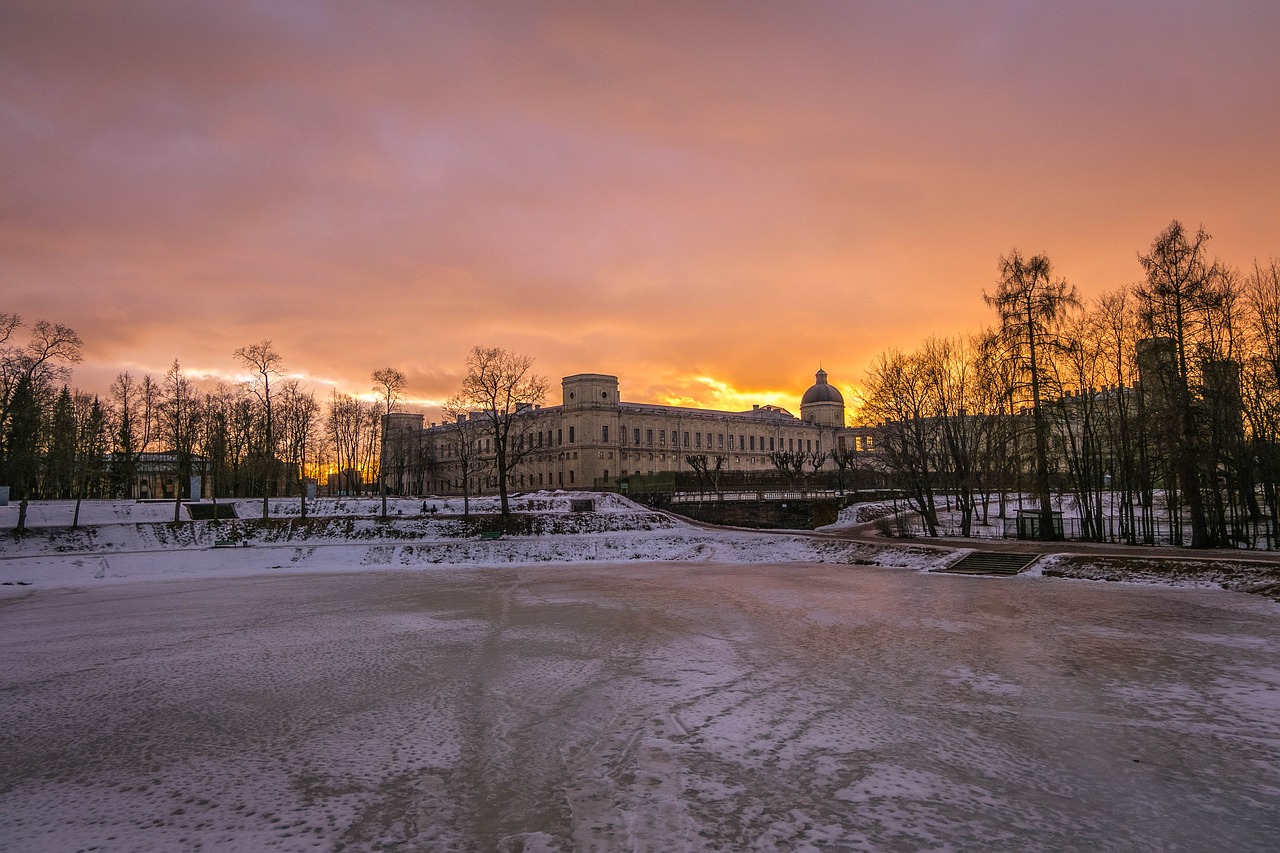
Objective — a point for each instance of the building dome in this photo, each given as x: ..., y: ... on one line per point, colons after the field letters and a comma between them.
x: 821, y: 392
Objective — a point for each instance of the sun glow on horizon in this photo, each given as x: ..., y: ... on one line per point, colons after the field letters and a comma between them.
x: 745, y: 195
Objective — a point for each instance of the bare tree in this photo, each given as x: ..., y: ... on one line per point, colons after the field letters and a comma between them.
x: 150, y: 394
x: 1115, y: 325
x: 707, y: 469
x: 352, y: 427
x: 389, y: 384
x: 124, y: 471
x: 464, y: 444
x: 22, y: 444
x: 1031, y: 304
x: 91, y: 438
x: 179, y: 425
x: 60, y: 447
x: 845, y: 455
x: 815, y: 459
x: 995, y: 389
x: 790, y: 463
x: 298, y: 419
x: 698, y: 463
x: 216, y: 440
x: 38, y: 365
x: 343, y: 425
x: 1262, y: 385
x: 267, y: 364
x: 44, y: 359
x: 950, y: 371
x: 502, y: 386
x: 899, y: 402
x: 1078, y: 418
x: 1176, y: 303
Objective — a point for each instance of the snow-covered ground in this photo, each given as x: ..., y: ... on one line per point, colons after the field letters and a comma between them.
x: 649, y: 686
x: 123, y: 541
x: 61, y: 513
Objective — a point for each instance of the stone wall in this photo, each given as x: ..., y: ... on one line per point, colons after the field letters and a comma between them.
x: 784, y: 515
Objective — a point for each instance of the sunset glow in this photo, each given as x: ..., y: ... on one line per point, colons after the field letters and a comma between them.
x: 708, y: 200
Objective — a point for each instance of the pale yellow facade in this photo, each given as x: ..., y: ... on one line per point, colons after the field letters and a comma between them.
x: 593, y: 439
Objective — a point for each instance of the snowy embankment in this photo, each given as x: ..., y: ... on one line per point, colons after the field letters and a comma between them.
x: 124, y: 541
x: 1259, y: 577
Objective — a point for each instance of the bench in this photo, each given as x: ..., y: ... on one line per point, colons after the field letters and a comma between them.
x: 490, y: 535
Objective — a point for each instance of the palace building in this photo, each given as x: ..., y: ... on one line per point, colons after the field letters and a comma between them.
x: 593, y: 439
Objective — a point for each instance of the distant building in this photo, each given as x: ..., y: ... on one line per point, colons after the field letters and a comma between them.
x: 155, y: 476
x: 594, y: 439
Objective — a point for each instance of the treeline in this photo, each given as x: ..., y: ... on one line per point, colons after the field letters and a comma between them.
x: 1151, y: 413
x: 260, y: 438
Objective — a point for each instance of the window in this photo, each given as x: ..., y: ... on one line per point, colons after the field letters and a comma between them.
x: 753, y: 442
x: 770, y: 443
x: 604, y: 435
x: 686, y: 439
x: 720, y: 440
x: 571, y: 435
x: 791, y: 444
x: 662, y: 437
x: 571, y: 476
x: 648, y: 437
x: 809, y: 445
x: 559, y: 437
x: 708, y: 441
x: 698, y: 443
x: 636, y: 437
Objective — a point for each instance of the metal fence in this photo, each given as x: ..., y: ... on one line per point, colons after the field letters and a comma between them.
x: 1259, y: 535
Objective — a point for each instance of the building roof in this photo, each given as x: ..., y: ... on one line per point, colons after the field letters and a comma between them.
x: 821, y: 392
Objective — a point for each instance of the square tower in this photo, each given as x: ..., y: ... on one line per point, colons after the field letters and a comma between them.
x: 590, y: 391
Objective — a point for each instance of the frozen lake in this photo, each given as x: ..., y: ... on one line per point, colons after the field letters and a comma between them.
x: 639, y: 707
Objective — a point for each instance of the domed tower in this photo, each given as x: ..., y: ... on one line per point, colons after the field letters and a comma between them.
x: 822, y: 404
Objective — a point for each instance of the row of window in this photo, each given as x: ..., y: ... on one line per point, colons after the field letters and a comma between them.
x: 744, y: 442
x: 749, y: 443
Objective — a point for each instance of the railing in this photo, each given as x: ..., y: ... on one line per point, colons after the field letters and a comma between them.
x: 1259, y: 535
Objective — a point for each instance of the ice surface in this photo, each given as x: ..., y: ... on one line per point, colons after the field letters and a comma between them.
x: 393, y: 703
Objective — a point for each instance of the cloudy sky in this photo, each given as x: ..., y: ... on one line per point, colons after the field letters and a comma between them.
x: 710, y: 200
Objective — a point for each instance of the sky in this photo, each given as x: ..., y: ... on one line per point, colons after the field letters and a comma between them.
x: 709, y: 200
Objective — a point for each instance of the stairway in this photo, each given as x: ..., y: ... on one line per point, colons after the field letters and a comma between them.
x: 990, y: 563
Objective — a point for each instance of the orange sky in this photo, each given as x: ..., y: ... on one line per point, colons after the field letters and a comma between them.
x: 709, y: 200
